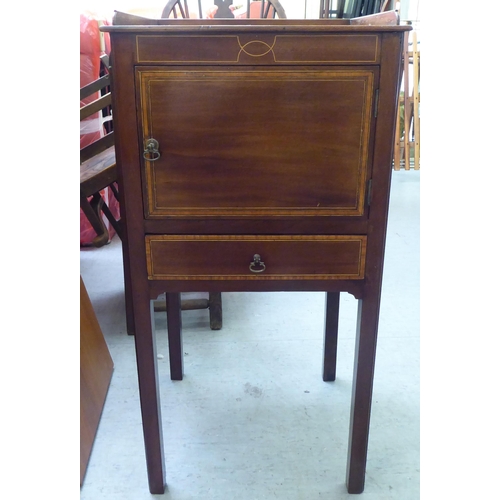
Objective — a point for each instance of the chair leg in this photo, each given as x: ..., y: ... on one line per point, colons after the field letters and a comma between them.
x: 115, y: 191
x: 129, y: 303
x: 331, y: 336
x: 215, y: 310
x: 92, y: 211
x: 213, y: 304
x: 116, y: 224
x: 174, y: 332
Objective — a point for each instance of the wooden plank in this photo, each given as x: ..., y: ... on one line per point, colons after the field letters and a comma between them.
x: 95, y: 106
x: 96, y: 368
x: 94, y: 86
x: 97, y: 147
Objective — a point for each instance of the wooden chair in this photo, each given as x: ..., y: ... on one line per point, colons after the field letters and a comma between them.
x: 268, y: 9
x: 180, y: 9
x: 98, y: 168
x: 97, y: 171
x: 348, y: 9
x: 97, y: 160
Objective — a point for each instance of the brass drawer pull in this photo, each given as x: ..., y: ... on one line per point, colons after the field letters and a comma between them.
x: 151, y: 152
x: 257, y: 266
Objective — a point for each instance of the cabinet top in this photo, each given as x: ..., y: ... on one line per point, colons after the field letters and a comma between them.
x: 128, y: 23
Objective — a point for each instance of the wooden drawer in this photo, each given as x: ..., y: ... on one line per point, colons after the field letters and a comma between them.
x: 259, y: 49
x: 232, y: 257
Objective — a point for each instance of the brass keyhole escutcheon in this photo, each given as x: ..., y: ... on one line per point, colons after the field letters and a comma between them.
x: 151, y: 152
x: 257, y: 266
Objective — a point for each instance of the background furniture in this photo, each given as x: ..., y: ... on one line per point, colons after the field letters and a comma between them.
x: 98, y: 172
x: 263, y: 9
x: 94, y: 230
x: 99, y: 176
x: 224, y: 9
x: 407, y: 137
x: 180, y: 9
x: 346, y: 9
x: 289, y: 191
x: 97, y: 158
x: 96, y: 368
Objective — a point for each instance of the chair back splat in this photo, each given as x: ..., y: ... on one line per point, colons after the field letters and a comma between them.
x: 224, y: 9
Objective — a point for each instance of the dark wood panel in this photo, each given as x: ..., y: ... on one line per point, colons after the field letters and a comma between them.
x: 257, y: 143
x: 158, y: 287
x: 363, y: 49
x: 269, y: 48
x: 96, y: 368
x: 270, y: 225
x: 233, y: 257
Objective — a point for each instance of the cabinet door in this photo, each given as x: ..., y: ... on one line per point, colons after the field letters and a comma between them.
x: 249, y: 142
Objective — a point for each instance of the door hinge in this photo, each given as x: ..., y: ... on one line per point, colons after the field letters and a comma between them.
x: 375, y: 104
x: 369, y: 193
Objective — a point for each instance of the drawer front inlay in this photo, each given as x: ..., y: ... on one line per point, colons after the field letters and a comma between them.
x: 258, y: 49
x: 175, y: 257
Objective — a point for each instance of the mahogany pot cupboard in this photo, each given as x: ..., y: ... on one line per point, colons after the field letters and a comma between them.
x: 255, y: 155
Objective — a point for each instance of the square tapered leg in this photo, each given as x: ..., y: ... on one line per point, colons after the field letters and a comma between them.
x: 174, y: 331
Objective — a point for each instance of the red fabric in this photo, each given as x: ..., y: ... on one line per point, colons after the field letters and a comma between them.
x: 90, y: 53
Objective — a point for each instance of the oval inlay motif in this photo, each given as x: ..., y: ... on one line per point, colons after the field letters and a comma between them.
x: 256, y: 48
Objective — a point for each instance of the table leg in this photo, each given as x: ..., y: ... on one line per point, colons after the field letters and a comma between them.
x: 145, y: 346
x: 174, y: 331
x: 364, y: 365
x: 215, y: 310
x: 129, y: 303
x: 331, y: 336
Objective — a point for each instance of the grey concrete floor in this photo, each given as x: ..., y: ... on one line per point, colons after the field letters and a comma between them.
x: 252, y: 418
